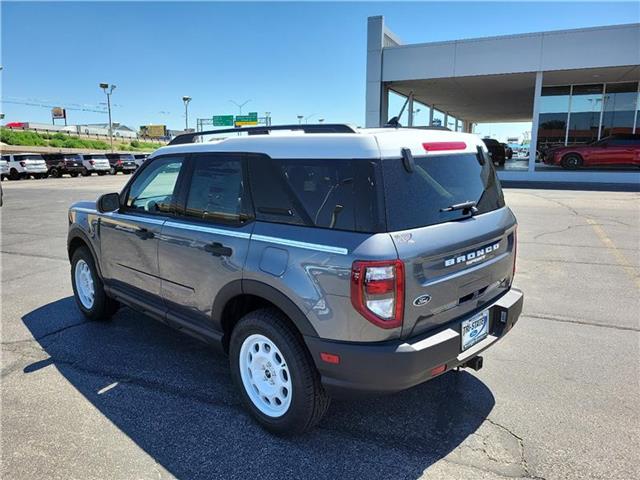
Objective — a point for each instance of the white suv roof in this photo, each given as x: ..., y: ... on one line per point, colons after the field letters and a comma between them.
x: 362, y: 143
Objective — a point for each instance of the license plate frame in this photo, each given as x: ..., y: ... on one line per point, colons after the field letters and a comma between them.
x: 473, y: 330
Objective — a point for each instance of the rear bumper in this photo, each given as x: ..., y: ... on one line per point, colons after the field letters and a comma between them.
x: 387, y: 367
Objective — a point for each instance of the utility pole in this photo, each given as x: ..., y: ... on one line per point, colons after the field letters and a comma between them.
x: 186, y: 99
x: 267, y: 118
x: 300, y: 117
x: 108, y: 90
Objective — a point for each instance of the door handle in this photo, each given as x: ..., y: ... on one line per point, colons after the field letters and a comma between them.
x: 144, y: 234
x: 218, y: 250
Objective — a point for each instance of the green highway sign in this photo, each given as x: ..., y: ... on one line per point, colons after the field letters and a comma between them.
x: 250, y: 119
x: 222, y: 120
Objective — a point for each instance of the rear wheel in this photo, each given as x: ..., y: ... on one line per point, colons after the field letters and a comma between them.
x: 74, y: 174
x: 101, y: 173
x: 571, y: 161
x: 86, y: 173
x: 14, y: 175
x: 276, y: 377
x: 88, y: 288
x: 55, y: 173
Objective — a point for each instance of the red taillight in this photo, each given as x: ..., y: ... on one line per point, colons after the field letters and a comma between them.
x: 438, y: 146
x: 119, y: 162
x: 438, y: 370
x: 377, y: 291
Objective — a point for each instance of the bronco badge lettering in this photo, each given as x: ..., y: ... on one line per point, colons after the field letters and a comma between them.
x: 470, y: 258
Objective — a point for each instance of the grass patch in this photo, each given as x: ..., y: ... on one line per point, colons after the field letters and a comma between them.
x: 61, y: 140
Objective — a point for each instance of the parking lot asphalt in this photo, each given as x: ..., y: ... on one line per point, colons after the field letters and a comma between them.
x: 558, y: 398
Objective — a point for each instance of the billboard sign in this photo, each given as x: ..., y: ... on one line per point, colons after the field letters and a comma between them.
x: 58, y: 112
x: 154, y: 131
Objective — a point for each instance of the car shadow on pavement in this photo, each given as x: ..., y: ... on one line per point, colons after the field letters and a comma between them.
x: 173, y: 396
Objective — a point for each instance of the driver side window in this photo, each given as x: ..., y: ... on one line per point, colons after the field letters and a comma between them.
x: 153, y: 190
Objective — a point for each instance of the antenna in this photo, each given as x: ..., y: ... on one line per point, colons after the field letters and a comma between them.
x: 394, y: 122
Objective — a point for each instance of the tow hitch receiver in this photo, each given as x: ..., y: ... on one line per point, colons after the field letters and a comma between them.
x: 475, y: 363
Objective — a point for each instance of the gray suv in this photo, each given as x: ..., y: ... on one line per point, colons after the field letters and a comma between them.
x: 325, y: 260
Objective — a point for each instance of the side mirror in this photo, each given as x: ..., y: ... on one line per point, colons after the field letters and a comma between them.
x: 109, y: 202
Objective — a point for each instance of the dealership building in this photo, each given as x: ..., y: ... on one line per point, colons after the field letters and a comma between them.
x: 574, y: 86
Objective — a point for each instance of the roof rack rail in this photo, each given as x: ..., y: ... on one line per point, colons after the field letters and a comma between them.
x: 264, y: 130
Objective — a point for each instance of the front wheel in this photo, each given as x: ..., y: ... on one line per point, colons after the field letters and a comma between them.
x: 86, y: 173
x: 571, y: 162
x: 74, y: 174
x: 88, y: 289
x: 276, y: 377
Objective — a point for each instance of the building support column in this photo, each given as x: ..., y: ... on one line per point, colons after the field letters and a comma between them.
x: 431, y: 107
x: 446, y: 120
x: 410, y: 107
x: 537, y: 93
x: 375, y: 89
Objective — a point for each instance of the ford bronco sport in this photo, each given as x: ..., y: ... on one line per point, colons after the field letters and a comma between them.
x: 324, y: 260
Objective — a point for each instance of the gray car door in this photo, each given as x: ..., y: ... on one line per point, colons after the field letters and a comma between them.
x: 204, y: 247
x: 129, y: 236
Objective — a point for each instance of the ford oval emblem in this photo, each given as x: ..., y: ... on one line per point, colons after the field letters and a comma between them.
x: 422, y: 300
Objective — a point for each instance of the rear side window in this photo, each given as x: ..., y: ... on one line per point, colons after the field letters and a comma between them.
x: 335, y: 194
x: 217, y: 190
x: 439, y: 181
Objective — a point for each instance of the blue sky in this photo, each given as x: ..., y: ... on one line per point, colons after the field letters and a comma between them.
x: 287, y: 58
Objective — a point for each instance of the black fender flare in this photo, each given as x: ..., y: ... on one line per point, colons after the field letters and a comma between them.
x: 269, y: 293
x: 77, y: 232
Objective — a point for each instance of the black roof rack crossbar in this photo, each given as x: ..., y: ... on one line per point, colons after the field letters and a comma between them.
x: 264, y: 130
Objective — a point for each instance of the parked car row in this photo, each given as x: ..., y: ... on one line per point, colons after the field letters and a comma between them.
x: 616, y: 150
x: 24, y: 165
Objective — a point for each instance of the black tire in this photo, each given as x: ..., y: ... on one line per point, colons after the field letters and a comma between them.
x: 86, y: 173
x: 14, y: 175
x: 100, y: 174
x: 572, y: 161
x: 74, y: 174
x: 309, y: 401
x: 54, y: 172
x: 103, y: 306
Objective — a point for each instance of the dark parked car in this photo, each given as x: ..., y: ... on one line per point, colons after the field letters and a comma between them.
x: 496, y: 150
x: 59, y: 164
x: 615, y: 150
x: 508, y: 151
x: 121, y: 162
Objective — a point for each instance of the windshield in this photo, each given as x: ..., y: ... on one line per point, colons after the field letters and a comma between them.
x: 438, y: 182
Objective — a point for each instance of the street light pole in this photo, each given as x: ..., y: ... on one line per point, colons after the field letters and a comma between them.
x: 186, y: 99
x: 300, y: 117
x: 108, y: 90
x: 240, y: 105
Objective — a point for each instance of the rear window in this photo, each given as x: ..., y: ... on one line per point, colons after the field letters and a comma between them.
x: 335, y: 194
x: 415, y: 199
x: 27, y: 157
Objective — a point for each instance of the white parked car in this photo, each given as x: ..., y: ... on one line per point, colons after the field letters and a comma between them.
x: 24, y: 165
x: 140, y: 158
x: 95, y: 163
x: 4, y: 167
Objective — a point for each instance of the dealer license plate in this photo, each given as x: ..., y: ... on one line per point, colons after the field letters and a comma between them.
x: 474, y: 329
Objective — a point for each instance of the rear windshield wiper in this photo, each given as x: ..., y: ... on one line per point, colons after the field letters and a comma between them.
x: 466, y: 207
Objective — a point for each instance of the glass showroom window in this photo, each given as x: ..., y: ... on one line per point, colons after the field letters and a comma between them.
x: 420, y: 114
x: 451, y: 123
x: 619, y: 108
x: 586, y: 107
x: 554, y: 111
x: 438, y: 118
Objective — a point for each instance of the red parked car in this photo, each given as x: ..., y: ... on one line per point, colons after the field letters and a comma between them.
x: 616, y: 150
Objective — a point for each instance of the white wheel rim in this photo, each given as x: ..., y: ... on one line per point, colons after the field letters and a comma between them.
x: 84, y: 284
x: 265, y: 375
